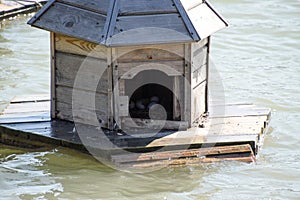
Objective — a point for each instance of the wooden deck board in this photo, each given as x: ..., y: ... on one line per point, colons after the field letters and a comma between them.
x: 29, y: 117
x: 13, y: 9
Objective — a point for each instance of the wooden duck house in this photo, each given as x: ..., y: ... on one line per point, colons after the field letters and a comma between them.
x: 133, y: 66
x: 142, y: 61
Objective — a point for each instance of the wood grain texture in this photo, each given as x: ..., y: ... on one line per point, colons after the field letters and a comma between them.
x: 100, y: 6
x: 82, y: 98
x: 183, y: 154
x: 81, y: 47
x: 130, y: 70
x: 149, y: 29
x: 89, y: 73
x: 199, y: 57
x: 81, y: 115
x: 31, y: 98
x: 149, y: 124
x: 143, y: 7
x: 73, y: 21
x: 203, y: 15
x: 150, y: 53
x: 187, y: 84
x: 52, y: 75
x: 198, y: 76
x: 198, y: 101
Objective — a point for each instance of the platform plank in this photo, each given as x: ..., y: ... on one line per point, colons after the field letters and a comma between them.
x: 27, y: 107
x: 176, y: 154
x: 31, y: 98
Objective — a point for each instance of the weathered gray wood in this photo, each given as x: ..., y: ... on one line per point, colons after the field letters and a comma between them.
x: 200, y: 137
x: 52, y: 75
x: 142, y: 7
x: 187, y: 85
x: 31, y: 98
x: 81, y: 115
x: 207, y: 75
x: 129, y: 70
x: 27, y: 107
x: 81, y: 47
x: 151, y: 53
x: 89, y: 73
x: 124, y: 106
x: 24, y: 117
x: 198, y: 101
x: 190, y: 4
x: 72, y: 21
x: 100, y: 6
x: 237, y: 111
x: 82, y: 98
x: 110, y: 89
x: 199, y: 76
x: 150, y: 124
x: 177, y: 98
x: 199, y: 57
x: 116, y: 94
x: 149, y: 29
x: 203, y: 15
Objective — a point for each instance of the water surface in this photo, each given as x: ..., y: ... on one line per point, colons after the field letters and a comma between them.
x: 258, y: 61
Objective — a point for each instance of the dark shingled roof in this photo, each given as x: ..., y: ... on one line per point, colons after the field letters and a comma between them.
x: 130, y: 22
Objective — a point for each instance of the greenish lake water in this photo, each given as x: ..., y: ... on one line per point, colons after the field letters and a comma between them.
x: 258, y: 59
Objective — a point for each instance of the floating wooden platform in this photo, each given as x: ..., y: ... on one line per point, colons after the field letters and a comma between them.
x: 17, y: 7
x: 230, y: 132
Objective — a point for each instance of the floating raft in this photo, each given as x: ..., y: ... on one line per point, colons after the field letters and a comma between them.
x: 230, y: 132
x: 17, y: 7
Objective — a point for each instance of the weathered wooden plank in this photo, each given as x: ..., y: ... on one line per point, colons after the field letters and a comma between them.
x: 148, y: 54
x: 22, y: 114
x: 199, y: 136
x: 184, y: 153
x: 95, y: 6
x: 199, y: 76
x: 52, y: 75
x: 199, y: 57
x: 238, y: 111
x: 89, y: 73
x: 149, y: 29
x: 189, y: 4
x: 187, y: 84
x: 25, y: 117
x: 28, y: 107
x: 116, y: 94
x: 84, y: 98
x: 177, y: 98
x: 190, y: 162
x: 142, y: 7
x: 157, y: 52
x: 124, y: 106
x: 198, y: 101
x: 31, y: 98
x: 129, y: 70
x: 203, y: 16
x: 81, y: 115
x: 110, y: 89
x: 150, y: 124
x: 236, y: 120
x: 81, y: 47
x: 73, y: 21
